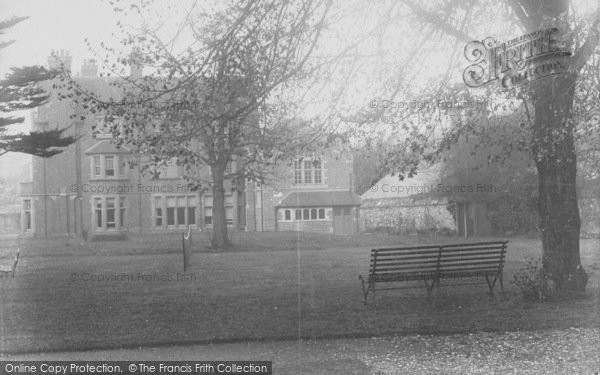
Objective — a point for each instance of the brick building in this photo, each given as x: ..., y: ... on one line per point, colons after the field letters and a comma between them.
x: 95, y: 189
x: 312, y: 193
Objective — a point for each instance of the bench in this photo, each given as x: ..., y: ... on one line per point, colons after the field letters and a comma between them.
x: 432, y: 263
x: 6, y: 269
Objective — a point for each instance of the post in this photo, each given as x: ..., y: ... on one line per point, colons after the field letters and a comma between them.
x: 187, y: 247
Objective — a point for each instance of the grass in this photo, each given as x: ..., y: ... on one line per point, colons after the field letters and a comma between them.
x: 274, y: 286
x: 167, y: 243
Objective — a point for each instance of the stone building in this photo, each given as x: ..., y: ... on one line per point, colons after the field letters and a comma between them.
x: 422, y: 204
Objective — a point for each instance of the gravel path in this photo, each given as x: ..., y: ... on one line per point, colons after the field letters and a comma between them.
x: 567, y: 351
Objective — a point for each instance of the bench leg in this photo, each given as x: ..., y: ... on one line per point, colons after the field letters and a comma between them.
x: 501, y: 286
x: 429, y: 287
x: 367, y: 289
x: 491, y: 284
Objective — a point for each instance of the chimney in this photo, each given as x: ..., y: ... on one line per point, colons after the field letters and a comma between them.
x: 89, y: 68
x: 60, y: 60
x: 135, y: 65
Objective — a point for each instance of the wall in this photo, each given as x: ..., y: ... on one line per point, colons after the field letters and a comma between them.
x: 404, y: 216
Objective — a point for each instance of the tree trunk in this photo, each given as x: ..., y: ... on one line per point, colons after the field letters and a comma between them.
x: 219, y: 237
x: 554, y: 150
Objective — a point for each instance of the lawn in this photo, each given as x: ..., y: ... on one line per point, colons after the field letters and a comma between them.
x: 271, y: 287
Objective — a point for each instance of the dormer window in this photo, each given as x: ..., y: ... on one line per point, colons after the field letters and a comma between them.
x: 107, y: 166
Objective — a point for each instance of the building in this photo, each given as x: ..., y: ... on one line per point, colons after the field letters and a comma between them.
x: 96, y: 189
x: 311, y: 193
x: 422, y: 203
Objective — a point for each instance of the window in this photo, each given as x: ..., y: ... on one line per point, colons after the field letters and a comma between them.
x: 97, y: 167
x: 98, y: 209
x: 308, y: 171
x: 107, y: 215
x: 191, y: 210
x: 297, y: 172
x: 27, y: 214
x: 180, y: 211
x: 111, y: 221
x: 342, y: 211
x: 318, y: 172
x: 158, y: 213
x: 229, y: 215
x: 170, y: 211
x: 208, y: 203
x: 229, y: 209
x: 304, y: 214
x: 107, y: 166
x: 208, y: 209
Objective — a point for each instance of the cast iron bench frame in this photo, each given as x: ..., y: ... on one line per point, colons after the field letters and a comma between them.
x: 9, y: 269
x: 432, y: 263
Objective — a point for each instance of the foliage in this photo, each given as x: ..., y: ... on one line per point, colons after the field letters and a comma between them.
x: 19, y: 90
x: 513, y: 215
x: 534, y: 283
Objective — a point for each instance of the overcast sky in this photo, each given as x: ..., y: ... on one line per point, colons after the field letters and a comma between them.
x: 56, y: 24
x: 64, y: 24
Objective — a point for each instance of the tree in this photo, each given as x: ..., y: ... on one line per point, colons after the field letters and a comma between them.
x: 550, y: 106
x: 221, y: 99
x: 20, y: 91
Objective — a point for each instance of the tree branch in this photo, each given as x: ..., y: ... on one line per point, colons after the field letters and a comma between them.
x: 582, y: 55
x: 437, y: 22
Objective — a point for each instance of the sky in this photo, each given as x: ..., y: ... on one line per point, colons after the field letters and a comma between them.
x: 52, y: 25
x: 56, y: 24
x: 64, y: 24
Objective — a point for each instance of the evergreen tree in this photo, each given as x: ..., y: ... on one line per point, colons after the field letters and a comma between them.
x: 19, y: 90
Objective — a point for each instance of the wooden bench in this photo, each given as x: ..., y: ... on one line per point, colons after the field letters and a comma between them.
x: 432, y: 263
x: 6, y: 269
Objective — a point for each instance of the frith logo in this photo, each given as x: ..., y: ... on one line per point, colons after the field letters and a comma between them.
x: 516, y: 62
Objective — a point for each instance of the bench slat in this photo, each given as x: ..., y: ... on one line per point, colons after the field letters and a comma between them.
x: 448, y: 246
x: 444, y: 258
x: 435, y: 251
x: 469, y: 266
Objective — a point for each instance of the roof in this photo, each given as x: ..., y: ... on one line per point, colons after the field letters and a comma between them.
x: 320, y: 199
x: 106, y: 147
x: 390, y: 186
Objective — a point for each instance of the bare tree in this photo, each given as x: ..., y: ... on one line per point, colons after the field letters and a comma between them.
x: 221, y: 99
